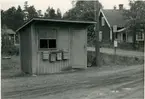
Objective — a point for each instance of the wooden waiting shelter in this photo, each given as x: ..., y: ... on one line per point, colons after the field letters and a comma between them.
x: 49, y: 46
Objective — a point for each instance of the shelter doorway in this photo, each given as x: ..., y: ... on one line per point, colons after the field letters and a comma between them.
x: 79, y: 49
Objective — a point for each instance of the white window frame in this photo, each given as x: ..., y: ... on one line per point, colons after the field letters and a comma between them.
x: 110, y: 34
x: 140, y: 39
x: 100, y: 35
x: 10, y: 38
x: 103, y: 21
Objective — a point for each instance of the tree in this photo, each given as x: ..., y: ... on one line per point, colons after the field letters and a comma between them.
x: 12, y: 18
x: 82, y: 10
x: 50, y: 13
x: 9, y: 17
x: 25, y: 10
x: 135, y: 17
x: 2, y: 17
x: 19, y: 16
x: 40, y: 13
x: 25, y: 5
x: 58, y: 15
x: 47, y: 13
x: 32, y: 12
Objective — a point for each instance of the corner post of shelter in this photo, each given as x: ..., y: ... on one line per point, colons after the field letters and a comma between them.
x: 33, y: 50
x: 70, y: 43
x: 19, y: 37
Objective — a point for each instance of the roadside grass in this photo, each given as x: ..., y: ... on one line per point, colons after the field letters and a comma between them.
x: 10, y: 68
x: 111, y: 60
x: 11, y: 63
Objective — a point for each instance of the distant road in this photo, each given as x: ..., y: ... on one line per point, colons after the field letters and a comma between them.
x: 118, y: 51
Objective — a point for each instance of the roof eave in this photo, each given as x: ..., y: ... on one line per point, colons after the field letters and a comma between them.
x: 121, y: 30
x: 53, y: 20
x: 24, y: 25
x: 101, y: 11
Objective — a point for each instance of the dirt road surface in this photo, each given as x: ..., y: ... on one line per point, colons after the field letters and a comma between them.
x: 120, y: 82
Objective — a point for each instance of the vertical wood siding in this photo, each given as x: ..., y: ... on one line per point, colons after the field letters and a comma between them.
x: 63, y: 42
x: 31, y: 55
x: 25, y: 48
x: 34, y: 49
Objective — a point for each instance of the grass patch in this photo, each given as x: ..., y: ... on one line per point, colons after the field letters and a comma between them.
x: 12, y: 63
x: 108, y: 59
x: 10, y: 67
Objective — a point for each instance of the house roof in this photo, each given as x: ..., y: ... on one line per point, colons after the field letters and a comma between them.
x: 8, y: 31
x: 114, y: 17
x: 54, y: 20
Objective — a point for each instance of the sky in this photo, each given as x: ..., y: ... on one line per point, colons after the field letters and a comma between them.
x: 64, y: 5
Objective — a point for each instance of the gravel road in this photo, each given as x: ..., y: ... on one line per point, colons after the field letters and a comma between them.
x: 120, y: 82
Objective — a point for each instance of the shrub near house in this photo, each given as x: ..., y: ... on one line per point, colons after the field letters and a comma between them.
x: 8, y: 42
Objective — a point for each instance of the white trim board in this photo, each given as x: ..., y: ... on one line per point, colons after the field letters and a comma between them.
x: 121, y: 30
x: 101, y: 11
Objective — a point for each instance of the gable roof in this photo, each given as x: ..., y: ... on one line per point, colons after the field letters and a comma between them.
x: 114, y: 17
x: 56, y: 21
x: 8, y: 31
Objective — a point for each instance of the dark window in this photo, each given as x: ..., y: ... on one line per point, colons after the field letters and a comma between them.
x: 124, y: 37
x: 47, y: 43
x: 16, y: 39
x: 52, y: 43
x: 43, y: 43
x: 116, y: 36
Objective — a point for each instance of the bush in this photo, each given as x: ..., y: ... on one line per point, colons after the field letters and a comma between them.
x: 10, y: 50
x: 8, y: 47
x: 13, y: 50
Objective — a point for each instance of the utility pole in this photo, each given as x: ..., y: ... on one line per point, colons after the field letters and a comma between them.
x: 115, y: 41
x: 97, y: 45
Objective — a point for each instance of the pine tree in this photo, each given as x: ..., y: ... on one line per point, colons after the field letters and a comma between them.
x: 25, y: 5
x: 19, y: 16
x: 52, y: 13
x: 58, y: 15
x: 25, y: 11
x: 9, y: 18
x: 40, y: 13
x: 32, y: 13
x: 46, y: 15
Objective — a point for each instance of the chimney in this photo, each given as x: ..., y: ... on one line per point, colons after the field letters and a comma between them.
x: 120, y: 6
